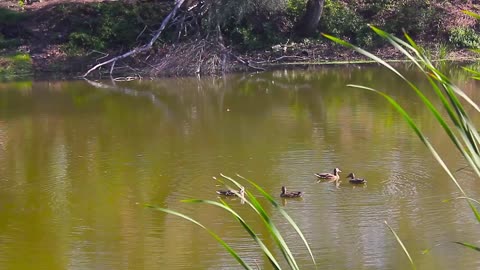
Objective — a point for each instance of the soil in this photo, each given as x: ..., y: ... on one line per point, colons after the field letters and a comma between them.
x: 47, y: 56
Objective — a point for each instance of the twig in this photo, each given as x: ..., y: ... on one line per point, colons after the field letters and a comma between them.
x: 144, y: 47
x: 141, y: 33
x: 111, y: 68
x: 95, y: 51
x: 283, y: 57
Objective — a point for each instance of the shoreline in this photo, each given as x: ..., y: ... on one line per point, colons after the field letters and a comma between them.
x: 52, y: 64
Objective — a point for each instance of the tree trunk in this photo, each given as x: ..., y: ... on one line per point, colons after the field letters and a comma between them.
x: 309, y: 22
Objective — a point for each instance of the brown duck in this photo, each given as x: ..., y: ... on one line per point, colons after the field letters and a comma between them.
x: 291, y: 194
x: 230, y: 192
x: 335, y: 176
x: 355, y: 180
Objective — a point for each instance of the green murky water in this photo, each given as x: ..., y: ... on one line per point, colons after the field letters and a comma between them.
x: 78, y: 160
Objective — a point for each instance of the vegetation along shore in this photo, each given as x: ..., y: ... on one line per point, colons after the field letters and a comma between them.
x: 188, y: 37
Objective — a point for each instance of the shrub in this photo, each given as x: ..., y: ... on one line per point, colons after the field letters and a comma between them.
x: 339, y: 20
x: 295, y: 8
x: 343, y: 21
x: 462, y: 37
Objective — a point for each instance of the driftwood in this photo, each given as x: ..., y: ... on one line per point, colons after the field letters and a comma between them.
x: 141, y: 48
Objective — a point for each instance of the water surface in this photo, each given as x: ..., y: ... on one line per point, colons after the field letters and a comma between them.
x: 78, y: 161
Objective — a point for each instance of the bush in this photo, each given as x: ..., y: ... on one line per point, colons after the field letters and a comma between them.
x: 16, y: 65
x: 295, y: 8
x: 414, y: 17
x: 462, y: 37
x: 338, y: 20
x: 98, y: 27
x: 10, y: 23
x: 342, y: 21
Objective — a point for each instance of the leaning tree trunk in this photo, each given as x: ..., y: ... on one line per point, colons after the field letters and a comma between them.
x: 309, y: 22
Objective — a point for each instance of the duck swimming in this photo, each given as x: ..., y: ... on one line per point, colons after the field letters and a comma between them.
x: 335, y: 176
x: 230, y: 192
x: 291, y: 194
x: 355, y: 180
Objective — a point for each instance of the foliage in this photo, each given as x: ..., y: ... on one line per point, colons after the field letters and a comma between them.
x: 411, y: 16
x: 341, y: 20
x: 248, y: 38
x: 255, y: 205
x: 10, y: 17
x: 9, y: 23
x: 223, y: 12
x: 8, y: 43
x: 295, y: 8
x: 87, y: 32
x: 414, y: 19
x: 16, y: 65
x: 462, y: 37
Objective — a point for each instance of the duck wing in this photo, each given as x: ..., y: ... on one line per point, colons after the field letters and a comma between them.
x: 358, y: 181
x: 324, y: 175
x: 225, y: 192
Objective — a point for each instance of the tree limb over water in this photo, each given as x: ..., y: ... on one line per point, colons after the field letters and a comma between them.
x: 143, y: 48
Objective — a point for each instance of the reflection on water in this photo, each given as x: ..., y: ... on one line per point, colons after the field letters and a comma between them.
x: 78, y: 160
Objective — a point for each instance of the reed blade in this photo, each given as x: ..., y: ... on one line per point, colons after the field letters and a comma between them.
x: 230, y: 250
x: 244, y: 224
x: 399, y: 241
x: 269, y: 224
x: 284, y: 214
x: 468, y: 245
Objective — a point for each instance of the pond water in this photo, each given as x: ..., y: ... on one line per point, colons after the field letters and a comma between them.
x: 79, y: 160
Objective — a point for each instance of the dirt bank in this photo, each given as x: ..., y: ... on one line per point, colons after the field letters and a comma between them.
x: 43, y: 31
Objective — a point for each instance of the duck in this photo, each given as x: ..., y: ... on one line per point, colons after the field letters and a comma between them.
x: 230, y: 192
x: 335, y: 176
x: 355, y: 180
x: 291, y: 194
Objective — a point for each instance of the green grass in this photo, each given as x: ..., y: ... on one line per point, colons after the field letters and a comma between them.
x: 15, y: 66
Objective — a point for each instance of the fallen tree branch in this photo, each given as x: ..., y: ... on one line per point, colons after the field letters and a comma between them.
x: 141, y: 48
x: 243, y: 62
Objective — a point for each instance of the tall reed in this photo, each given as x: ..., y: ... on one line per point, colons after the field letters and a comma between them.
x: 255, y: 205
x: 457, y: 123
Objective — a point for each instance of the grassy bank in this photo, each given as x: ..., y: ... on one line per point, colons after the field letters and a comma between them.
x: 15, y: 66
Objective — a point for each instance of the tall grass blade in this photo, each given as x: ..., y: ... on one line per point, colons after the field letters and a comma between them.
x: 275, y: 233
x: 468, y: 245
x: 473, y: 14
x: 402, y: 245
x: 232, y: 252
x: 464, y: 198
x: 277, y: 237
x: 244, y: 224
x: 284, y: 214
x: 425, y: 141
x: 466, y: 129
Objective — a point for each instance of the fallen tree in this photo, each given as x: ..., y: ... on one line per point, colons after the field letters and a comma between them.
x: 140, y: 49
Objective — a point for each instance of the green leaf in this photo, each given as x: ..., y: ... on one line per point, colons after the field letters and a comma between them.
x: 468, y: 245
x: 247, y: 228
x: 232, y: 252
x: 399, y: 241
x: 284, y: 214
